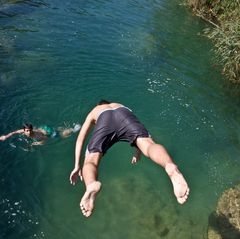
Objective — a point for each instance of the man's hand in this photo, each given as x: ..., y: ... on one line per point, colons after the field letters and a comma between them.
x: 136, y: 156
x: 3, y: 137
x: 134, y: 160
x: 74, y: 175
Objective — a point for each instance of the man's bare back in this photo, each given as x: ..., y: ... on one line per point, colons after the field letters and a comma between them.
x: 100, y: 108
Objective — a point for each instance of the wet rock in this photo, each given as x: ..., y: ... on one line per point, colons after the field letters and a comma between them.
x: 224, y: 223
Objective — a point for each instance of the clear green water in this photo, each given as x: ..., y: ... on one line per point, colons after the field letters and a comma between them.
x: 57, y: 59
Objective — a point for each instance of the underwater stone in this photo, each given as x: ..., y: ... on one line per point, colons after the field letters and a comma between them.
x: 224, y: 223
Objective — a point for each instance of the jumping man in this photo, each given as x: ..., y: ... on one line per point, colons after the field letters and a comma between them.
x: 115, y: 122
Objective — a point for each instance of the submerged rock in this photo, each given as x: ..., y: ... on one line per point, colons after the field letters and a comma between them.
x: 224, y: 223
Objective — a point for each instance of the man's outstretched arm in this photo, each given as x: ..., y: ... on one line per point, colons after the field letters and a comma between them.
x: 78, y: 149
x: 4, y: 137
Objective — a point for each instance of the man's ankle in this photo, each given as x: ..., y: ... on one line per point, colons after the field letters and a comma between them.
x: 170, y: 168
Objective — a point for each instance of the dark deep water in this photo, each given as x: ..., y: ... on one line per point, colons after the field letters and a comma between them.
x: 57, y: 59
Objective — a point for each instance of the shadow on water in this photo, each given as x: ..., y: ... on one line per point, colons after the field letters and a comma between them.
x: 223, y: 227
x: 8, y: 7
x: 9, y: 30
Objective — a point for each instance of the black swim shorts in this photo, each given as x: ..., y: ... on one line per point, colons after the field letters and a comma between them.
x: 115, y: 125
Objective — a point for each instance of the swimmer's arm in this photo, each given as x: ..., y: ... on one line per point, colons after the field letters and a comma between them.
x: 4, y: 137
x: 78, y: 148
x: 137, y: 156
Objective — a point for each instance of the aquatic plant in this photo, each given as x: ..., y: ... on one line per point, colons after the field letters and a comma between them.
x: 224, y: 15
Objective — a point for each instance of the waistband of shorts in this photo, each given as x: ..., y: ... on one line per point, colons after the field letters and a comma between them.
x: 113, y: 110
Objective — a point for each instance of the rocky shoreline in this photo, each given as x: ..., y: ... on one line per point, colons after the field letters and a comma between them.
x: 224, y: 223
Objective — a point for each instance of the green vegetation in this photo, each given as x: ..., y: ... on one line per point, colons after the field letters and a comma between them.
x: 224, y: 15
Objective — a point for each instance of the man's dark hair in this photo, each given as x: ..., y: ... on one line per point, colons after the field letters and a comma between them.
x: 103, y: 102
x: 28, y: 126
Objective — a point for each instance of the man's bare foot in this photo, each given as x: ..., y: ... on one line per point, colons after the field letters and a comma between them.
x: 180, y: 186
x: 87, y: 202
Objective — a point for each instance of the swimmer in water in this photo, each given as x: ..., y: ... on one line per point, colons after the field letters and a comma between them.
x: 41, y: 134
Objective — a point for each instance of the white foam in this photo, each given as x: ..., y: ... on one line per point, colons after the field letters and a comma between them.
x: 76, y: 127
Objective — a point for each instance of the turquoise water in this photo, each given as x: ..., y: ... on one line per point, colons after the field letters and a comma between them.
x: 57, y: 60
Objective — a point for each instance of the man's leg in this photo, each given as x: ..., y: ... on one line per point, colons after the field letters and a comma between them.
x: 66, y: 132
x: 159, y: 155
x: 90, y: 173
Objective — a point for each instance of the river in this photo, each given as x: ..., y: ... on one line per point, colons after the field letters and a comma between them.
x: 57, y: 59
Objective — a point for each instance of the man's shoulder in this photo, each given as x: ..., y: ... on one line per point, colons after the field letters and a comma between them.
x: 96, y: 111
x: 19, y: 131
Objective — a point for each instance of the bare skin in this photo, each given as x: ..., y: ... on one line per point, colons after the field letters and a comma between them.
x: 37, y: 134
x: 87, y: 201
x: 89, y: 172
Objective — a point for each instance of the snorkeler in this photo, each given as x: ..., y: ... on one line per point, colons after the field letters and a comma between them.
x: 41, y: 134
